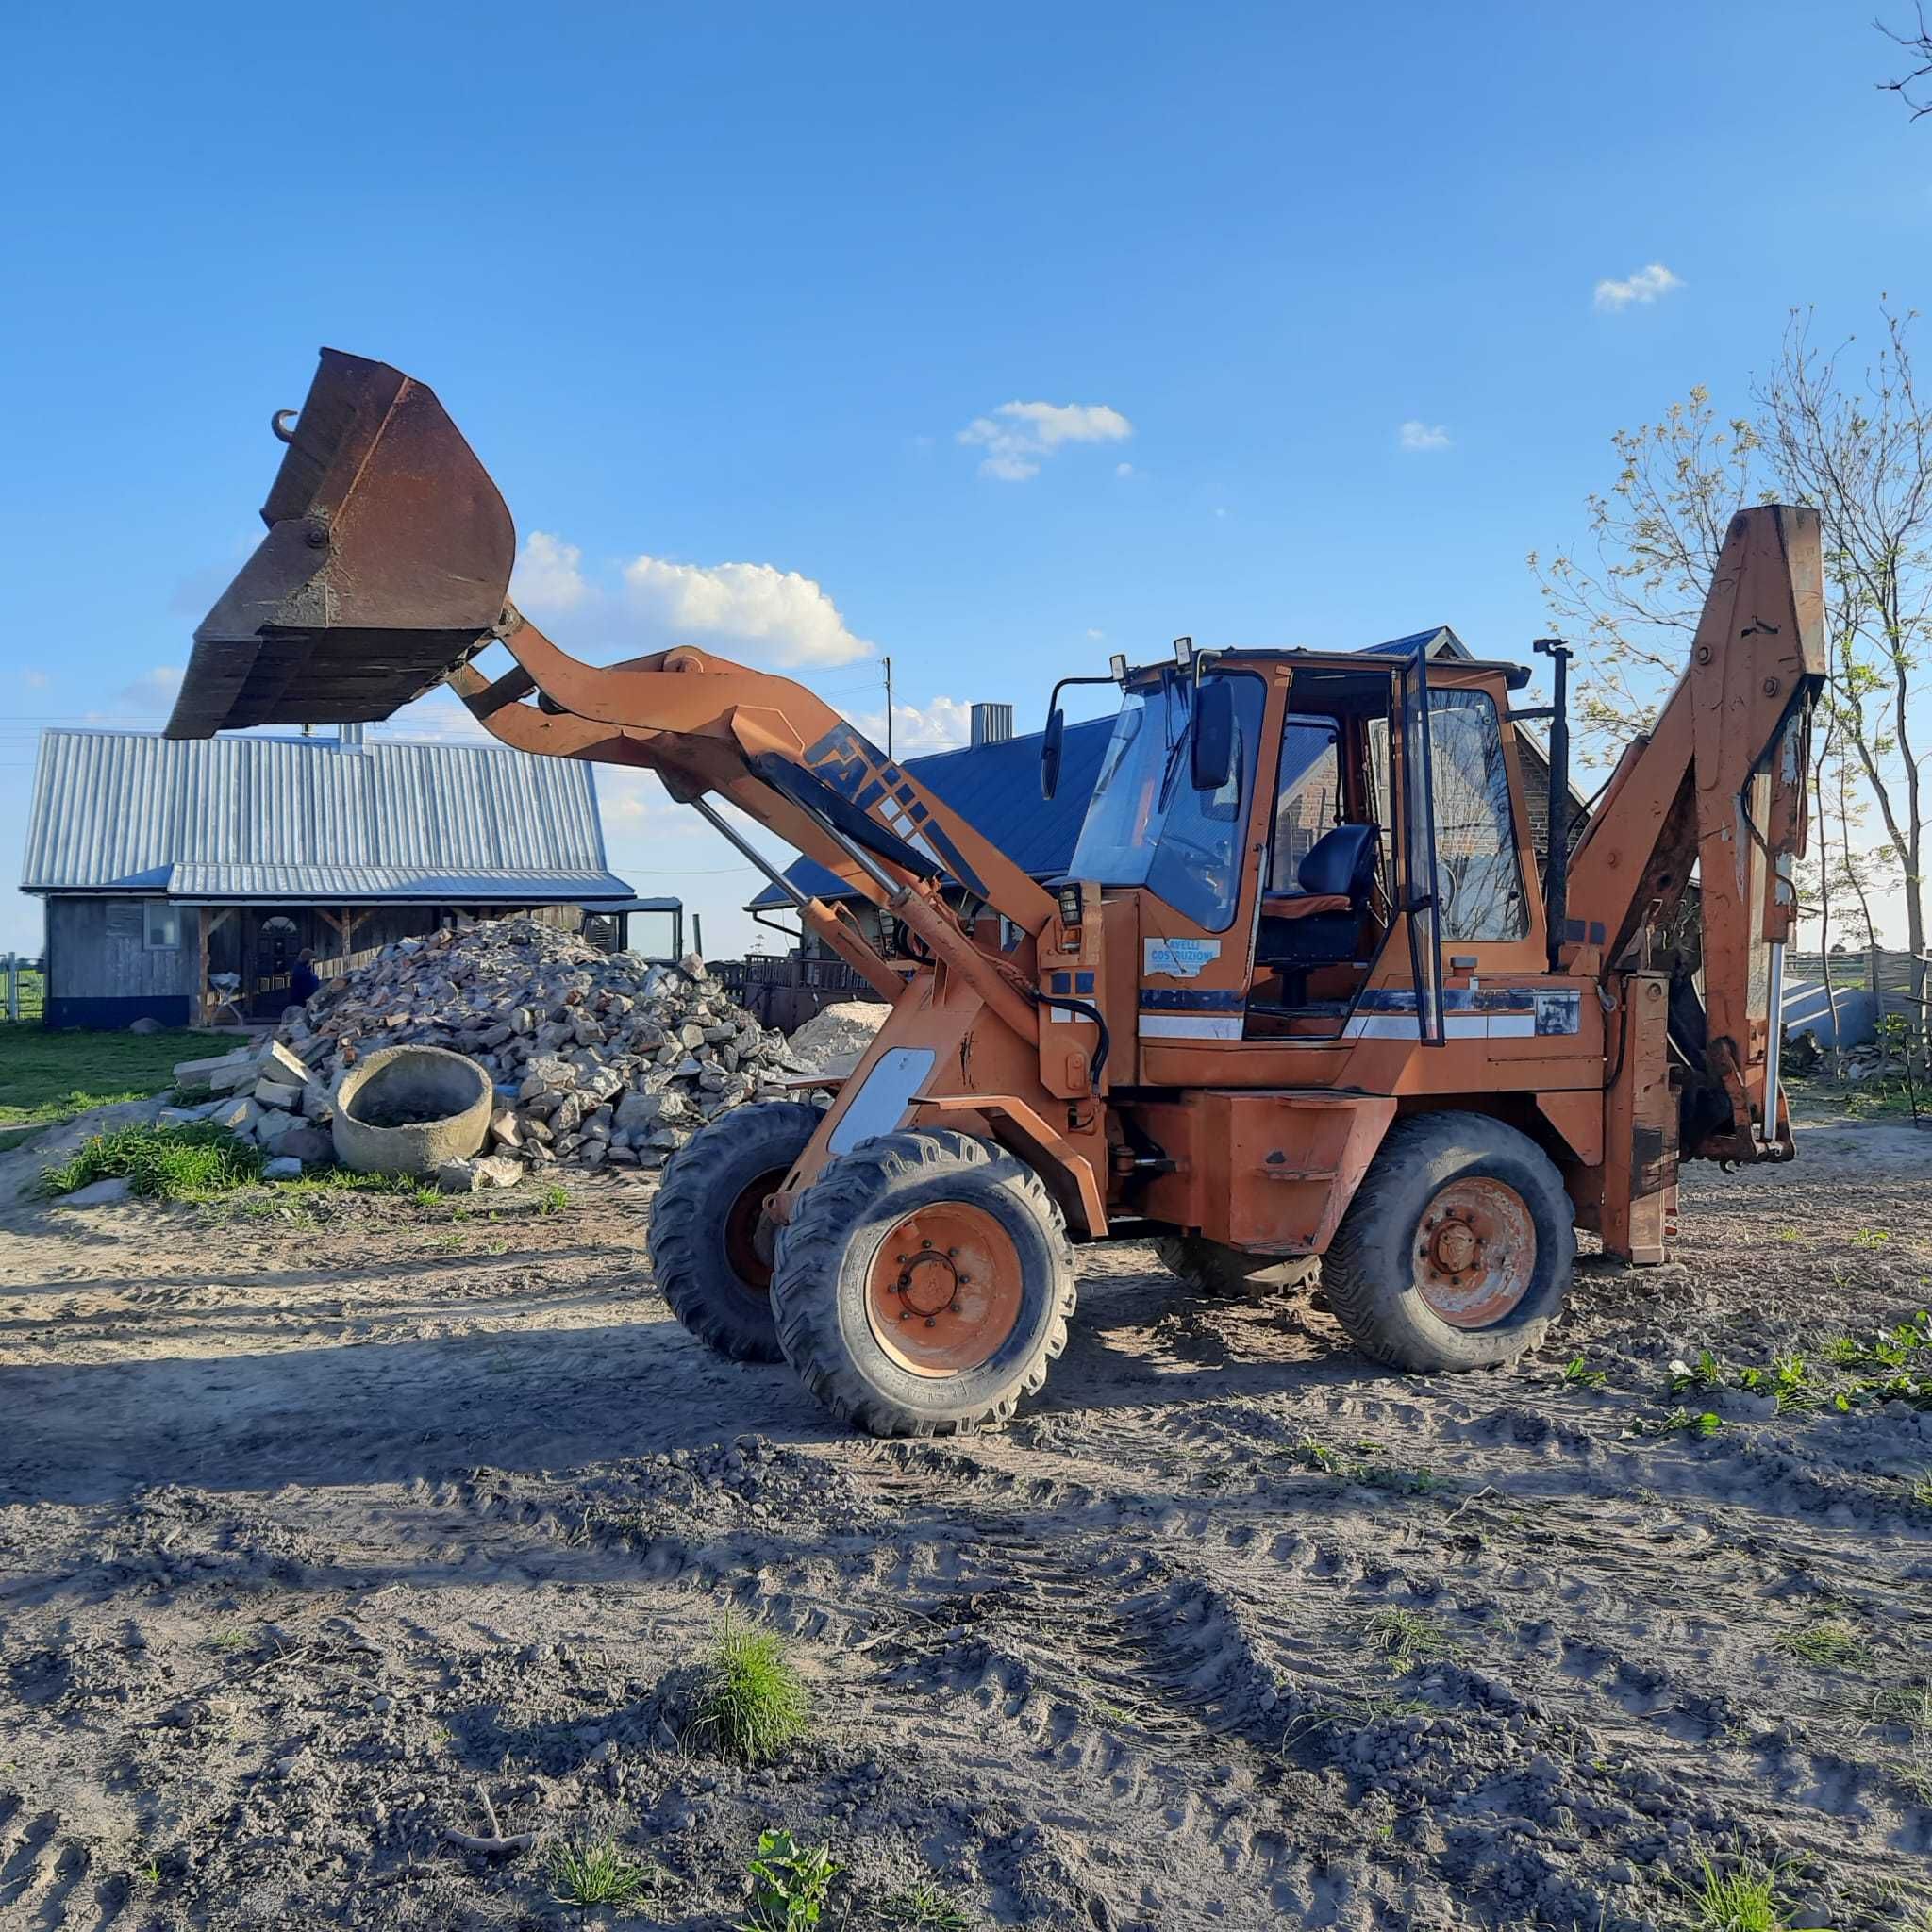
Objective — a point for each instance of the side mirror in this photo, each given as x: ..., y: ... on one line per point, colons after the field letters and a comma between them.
x: 1050, y: 752
x: 1211, y: 753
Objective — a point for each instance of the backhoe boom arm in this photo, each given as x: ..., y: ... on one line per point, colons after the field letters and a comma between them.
x: 1719, y: 783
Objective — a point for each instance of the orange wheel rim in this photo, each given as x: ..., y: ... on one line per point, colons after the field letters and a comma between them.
x: 945, y: 1290
x: 1474, y: 1252
x: 750, y: 1259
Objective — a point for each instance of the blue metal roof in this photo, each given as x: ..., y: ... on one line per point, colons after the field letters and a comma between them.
x: 996, y: 789
x: 309, y: 818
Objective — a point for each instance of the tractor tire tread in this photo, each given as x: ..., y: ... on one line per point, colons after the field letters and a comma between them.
x: 1358, y: 1296
x: 812, y: 1247
x: 685, y: 1217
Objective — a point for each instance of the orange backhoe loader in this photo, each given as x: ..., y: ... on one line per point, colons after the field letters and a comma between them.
x: 1298, y: 1003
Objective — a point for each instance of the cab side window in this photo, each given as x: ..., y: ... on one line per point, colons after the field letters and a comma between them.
x: 1305, y: 802
x: 1478, y: 872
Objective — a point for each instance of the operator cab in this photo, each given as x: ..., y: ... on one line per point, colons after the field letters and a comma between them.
x: 1356, y: 848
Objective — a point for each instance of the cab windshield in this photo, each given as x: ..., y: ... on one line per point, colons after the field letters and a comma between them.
x: 1147, y: 826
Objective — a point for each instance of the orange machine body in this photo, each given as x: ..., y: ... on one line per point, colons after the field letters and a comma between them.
x: 1159, y: 1065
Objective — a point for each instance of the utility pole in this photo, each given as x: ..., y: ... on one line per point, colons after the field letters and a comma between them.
x: 888, y: 663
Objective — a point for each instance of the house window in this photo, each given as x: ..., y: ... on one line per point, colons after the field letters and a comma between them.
x: 163, y: 925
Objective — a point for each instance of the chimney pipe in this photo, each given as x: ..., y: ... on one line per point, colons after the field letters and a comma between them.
x: 991, y: 724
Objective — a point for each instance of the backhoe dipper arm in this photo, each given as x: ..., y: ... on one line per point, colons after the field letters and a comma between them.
x: 1720, y: 782
x: 386, y: 569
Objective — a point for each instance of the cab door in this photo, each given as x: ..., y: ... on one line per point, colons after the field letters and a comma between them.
x: 1419, y: 886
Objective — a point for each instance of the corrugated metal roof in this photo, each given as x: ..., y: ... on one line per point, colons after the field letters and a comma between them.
x: 250, y: 817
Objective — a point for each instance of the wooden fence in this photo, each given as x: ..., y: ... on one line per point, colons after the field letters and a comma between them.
x: 783, y: 990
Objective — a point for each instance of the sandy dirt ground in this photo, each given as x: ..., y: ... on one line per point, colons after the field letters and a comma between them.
x: 319, y: 1523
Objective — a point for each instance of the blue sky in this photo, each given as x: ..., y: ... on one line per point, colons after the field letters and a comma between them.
x: 709, y: 291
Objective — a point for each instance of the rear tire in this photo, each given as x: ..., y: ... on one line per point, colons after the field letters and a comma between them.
x: 705, y: 1217
x: 1457, y: 1249
x: 1211, y: 1268
x: 924, y: 1284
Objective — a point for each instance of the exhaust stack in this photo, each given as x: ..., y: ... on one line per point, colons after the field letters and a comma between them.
x: 385, y: 565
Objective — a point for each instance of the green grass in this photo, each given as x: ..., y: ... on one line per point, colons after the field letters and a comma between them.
x: 790, y: 1885
x: 600, y: 1875
x: 750, y: 1699
x: 1407, y: 1637
x: 1827, y: 1643
x: 552, y: 1199
x: 923, y: 1907
x: 1578, y: 1374
x: 1701, y: 1427
x: 53, y: 1076
x: 1922, y: 1490
x: 1707, y: 1371
x: 186, y: 1164
x: 1743, y: 1899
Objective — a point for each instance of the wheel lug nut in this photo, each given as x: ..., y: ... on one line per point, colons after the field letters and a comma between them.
x: 932, y: 1321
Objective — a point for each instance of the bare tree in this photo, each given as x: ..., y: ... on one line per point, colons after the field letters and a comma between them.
x: 1918, y: 45
x: 1856, y: 444
x: 1859, y: 449
x: 1631, y: 608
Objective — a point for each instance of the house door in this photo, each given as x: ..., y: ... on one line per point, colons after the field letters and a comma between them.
x: 276, y: 947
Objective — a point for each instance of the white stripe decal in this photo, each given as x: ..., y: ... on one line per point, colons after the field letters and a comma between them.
x: 1189, y: 1026
x: 1454, y: 1026
x: 1363, y: 1026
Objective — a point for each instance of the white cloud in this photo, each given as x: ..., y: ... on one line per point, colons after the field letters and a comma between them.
x: 1095, y: 635
x: 1646, y: 285
x: 549, y: 575
x: 151, y: 692
x: 781, y: 614
x: 1123, y: 469
x: 1419, y: 434
x: 34, y: 680
x: 1019, y: 437
x: 755, y: 610
x: 945, y: 725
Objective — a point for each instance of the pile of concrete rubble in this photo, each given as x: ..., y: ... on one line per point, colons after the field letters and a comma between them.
x: 597, y: 1058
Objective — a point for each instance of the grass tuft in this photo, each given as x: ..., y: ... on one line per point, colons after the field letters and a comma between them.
x: 1578, y: 1374
x: 1407, y: 1637
x: 1827, y: 1642
x: 750, y: 1700
x: 1743, y: 1899
x: 185, y: 1163
x: 602, y: 1874
x: 1922, y: 1489
x: 923, y: 1907
x: 554, y: 1198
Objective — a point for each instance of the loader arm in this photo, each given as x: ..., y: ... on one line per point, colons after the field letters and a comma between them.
x: 1719, y: 783
x: 386, y: 569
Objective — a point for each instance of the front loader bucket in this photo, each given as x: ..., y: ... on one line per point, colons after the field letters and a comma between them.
x: 385, y: 565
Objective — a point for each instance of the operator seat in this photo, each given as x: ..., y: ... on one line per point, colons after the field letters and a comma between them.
x: 1322, y: 924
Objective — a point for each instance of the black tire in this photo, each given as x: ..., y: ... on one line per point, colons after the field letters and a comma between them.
x: 1225, y: 1273
x: 697, y: 1223
x: 1375, y: 1269
x: 823, y: 1287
